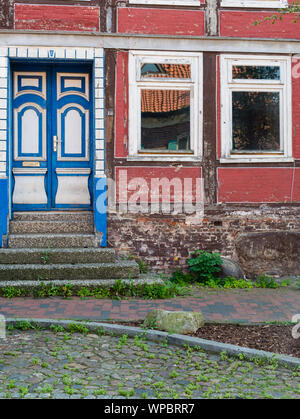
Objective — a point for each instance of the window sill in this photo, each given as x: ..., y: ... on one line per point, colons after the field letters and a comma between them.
x: 255, y: 4
x: 164, y: 158
x: 257, y: 160
x: 167, y: 2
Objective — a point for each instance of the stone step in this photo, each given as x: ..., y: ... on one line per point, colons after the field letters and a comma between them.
x: 57, y: 256
x: 53, y: 216
x: 52, y: 240
x: 57, y: 227
x: 86, y: 271
x: 28, y: 285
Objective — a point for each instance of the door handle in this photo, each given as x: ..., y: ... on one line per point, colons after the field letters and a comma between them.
x: 55, y: 143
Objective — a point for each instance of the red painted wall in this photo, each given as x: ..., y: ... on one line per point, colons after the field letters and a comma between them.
x: 161, y: 21
x: 60, y: 18
x: 121, y: 121
x: 241, y: 24
x: 259, y: 184
x: 148, y: 174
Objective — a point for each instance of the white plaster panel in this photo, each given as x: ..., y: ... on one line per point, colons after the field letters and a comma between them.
x: 98, y: 62
x: 3, y: 93
x: 32, y: 53
x: 29, y: 190
x: 99, y: 82
x: 3, y: 52
x: 72, y: 190
x: 3, y: 61
x: 12, y: 51
x: 99, y: 154
x: 3, y: 114
x: 99, y: 103
x: 99, y: 134
x: 99, y: 145
x: 98, y: 52
x: 30, y: 132
x: 3, y: 82
x: 73, y: 134
x: 99, y: 165
x: 22, y: 52
x: 70, y: 53
x: 99, y: 123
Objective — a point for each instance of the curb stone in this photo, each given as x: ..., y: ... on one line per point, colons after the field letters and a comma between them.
x: 173, y: 339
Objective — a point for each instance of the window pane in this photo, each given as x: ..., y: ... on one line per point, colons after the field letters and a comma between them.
x: 174, y: 71
x: 256, y: 72
x: 165, y: 120
x: 256, y: 121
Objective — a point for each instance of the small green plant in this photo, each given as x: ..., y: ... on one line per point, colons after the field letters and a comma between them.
x: 265, y: 281
x: 57, y: 328
x: 78, y: 328
x: 122, y: 341
x: 46, y: 389
x: 45, y: 257
x: 67, y: 290
x: 23, y: 391
x: 143, y: 266
x: 11, y: 384
x: 100, y: 392
x: 173, y: 374
x: 204, y: 265
x: 181, y: 278
x: 120, y: 289
x: 11, y: 292
x: 84, y: 292
x: 223, y: 356
x: 126, y: 393
x: 23, y: 325
x: 149, y: 323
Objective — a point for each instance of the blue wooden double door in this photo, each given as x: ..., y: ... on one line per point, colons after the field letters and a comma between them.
x: 52, y: 131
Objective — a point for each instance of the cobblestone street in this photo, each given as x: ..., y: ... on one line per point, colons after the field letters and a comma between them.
x: 59, y: 364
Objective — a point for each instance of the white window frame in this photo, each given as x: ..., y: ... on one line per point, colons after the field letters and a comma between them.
x: 167, y: 2
x: 194, y: 85
x: 283, y: 86
x: 269, y: 4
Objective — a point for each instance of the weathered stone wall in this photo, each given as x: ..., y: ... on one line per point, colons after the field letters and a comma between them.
x: 6, y: 14
x: 160, y: 239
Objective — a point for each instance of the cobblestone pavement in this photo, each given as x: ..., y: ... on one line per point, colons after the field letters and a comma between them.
x: 44, y: 364
x: 254, y: 305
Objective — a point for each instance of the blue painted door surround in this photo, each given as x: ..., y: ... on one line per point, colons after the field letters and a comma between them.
x: 52, y: 118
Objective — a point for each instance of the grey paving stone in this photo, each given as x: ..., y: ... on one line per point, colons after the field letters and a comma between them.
x: 108, y: 371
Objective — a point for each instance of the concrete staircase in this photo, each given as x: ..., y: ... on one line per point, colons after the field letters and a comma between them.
x: 55, y: 246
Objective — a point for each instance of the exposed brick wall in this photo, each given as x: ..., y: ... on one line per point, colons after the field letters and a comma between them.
x: 158, y: 239
x: 6, y: 14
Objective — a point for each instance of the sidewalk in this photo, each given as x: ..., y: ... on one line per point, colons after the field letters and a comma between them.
x: 255, y: 305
